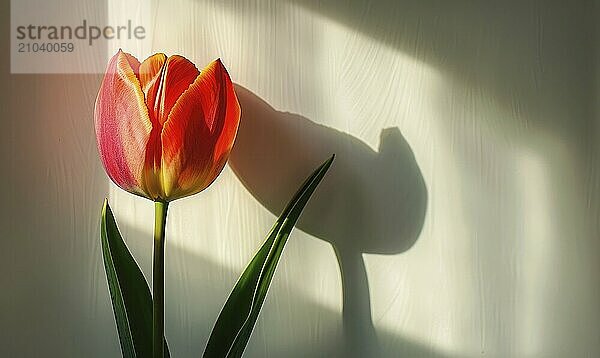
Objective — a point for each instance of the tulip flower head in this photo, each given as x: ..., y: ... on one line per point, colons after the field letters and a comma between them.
x: 164, y: 128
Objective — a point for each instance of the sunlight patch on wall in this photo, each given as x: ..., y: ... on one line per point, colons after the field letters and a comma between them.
x: 536, y: 247
x: 137, y: 13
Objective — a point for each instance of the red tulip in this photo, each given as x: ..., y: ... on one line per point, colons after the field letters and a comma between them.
x: 164, y: 128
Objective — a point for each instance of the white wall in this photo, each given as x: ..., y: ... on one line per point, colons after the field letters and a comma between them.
x: 495, y: 100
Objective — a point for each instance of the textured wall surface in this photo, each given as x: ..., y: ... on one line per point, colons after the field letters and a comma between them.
x: 460, y: 217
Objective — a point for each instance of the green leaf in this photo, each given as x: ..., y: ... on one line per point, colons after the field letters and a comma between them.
x: 129, y: 292
x: 236, y: 321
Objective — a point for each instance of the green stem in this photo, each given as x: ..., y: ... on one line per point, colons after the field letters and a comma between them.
x: 158, y: 279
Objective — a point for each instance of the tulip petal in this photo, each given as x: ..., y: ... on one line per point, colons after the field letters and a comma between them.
x: 150, y: 70
x: 226, y: 125
x: 176, y: 75
x: 199, y: 133
x: 168, y: 81
x: 186, y: 149
x: 133, y: 62
x: 122, y: 123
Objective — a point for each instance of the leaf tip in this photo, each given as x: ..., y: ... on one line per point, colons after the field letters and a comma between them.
x: 105, y: 207
x: 328, y: 162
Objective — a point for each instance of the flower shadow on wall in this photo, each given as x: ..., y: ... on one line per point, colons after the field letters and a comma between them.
x: 371, y: 202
